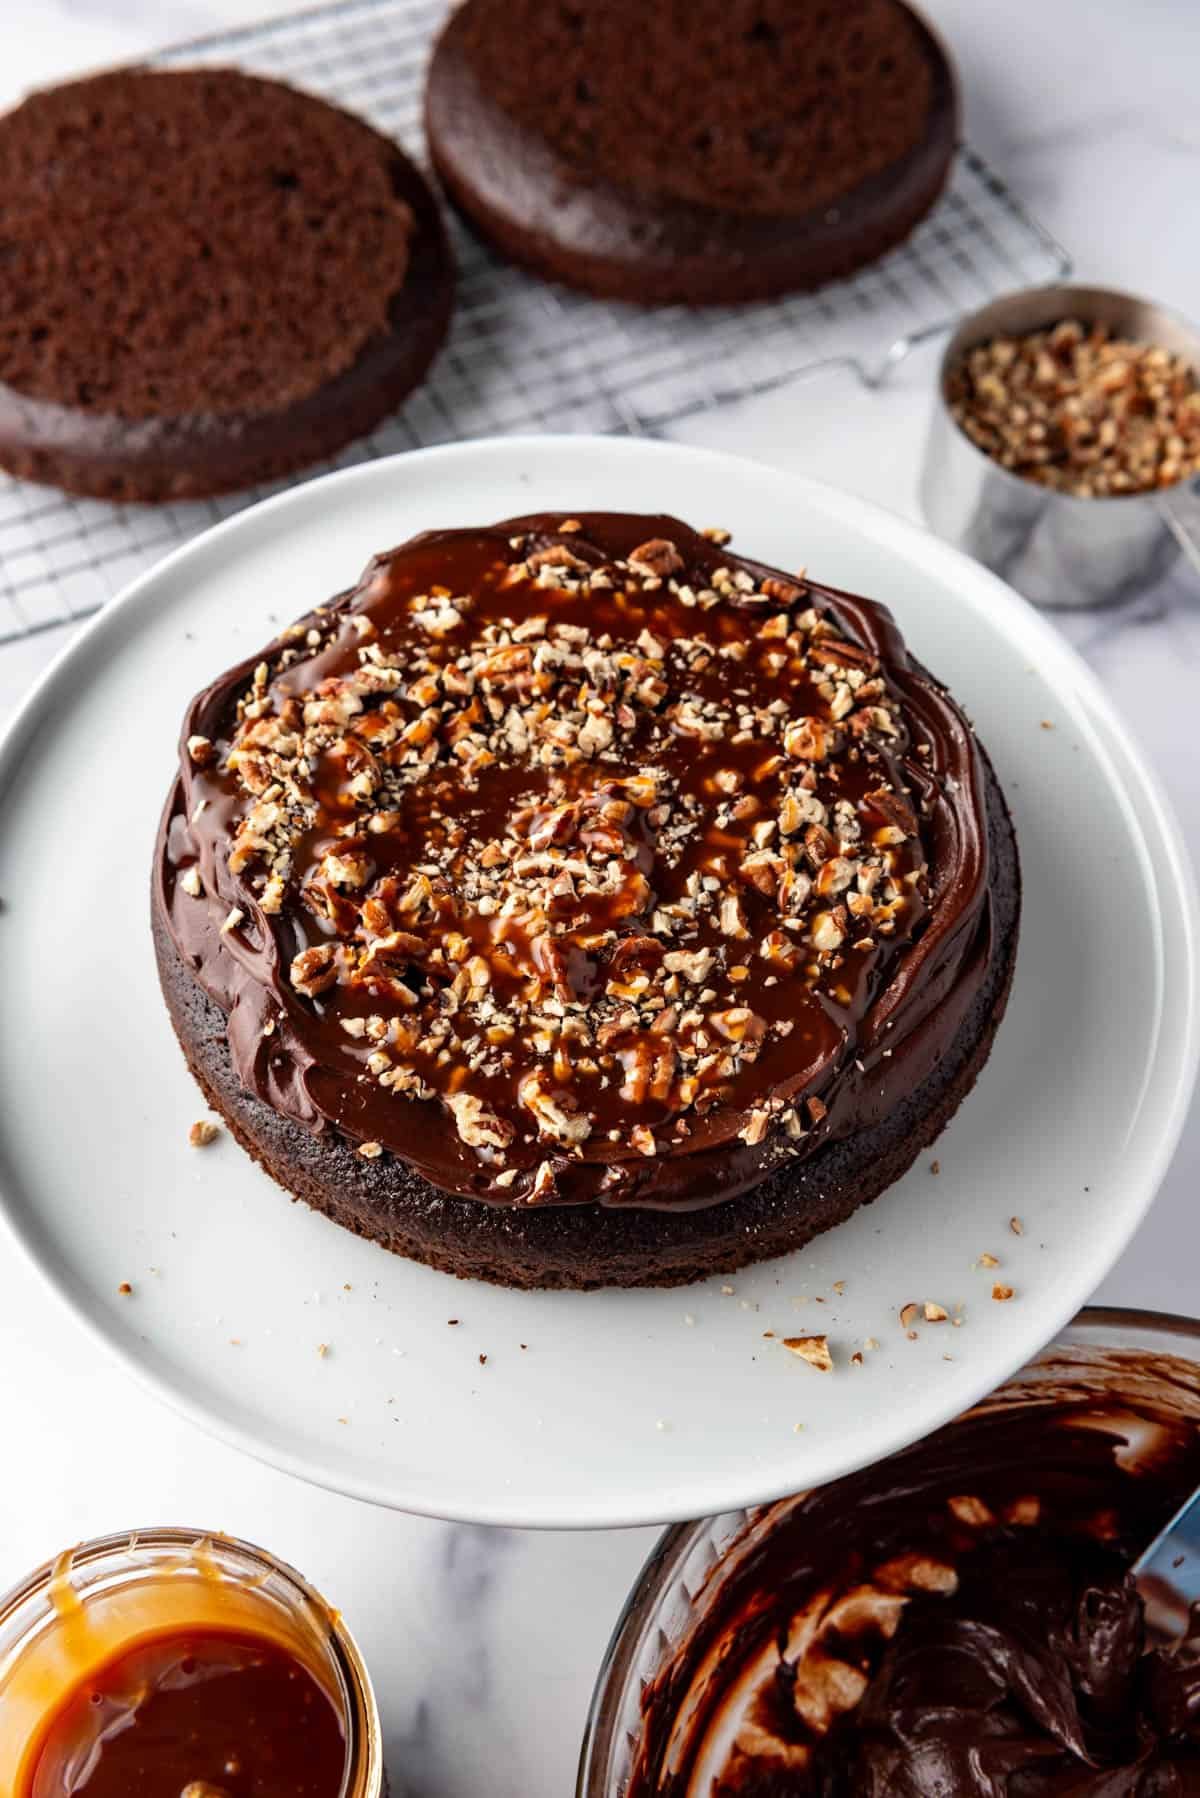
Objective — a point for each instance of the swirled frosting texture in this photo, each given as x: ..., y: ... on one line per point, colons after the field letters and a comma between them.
x: 578, y: 859
x: 957, y: 1622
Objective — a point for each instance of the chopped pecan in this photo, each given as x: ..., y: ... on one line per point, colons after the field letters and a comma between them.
x: 819, y: 844
x: 892, y: 809
x: 762, y: 869
x: 809, y: 740
x: 557, y: 1113
x: 555, y: 555
x: 390, y: 957
x: 315, y: 970
x: 649, y: 1066
x: 694, y: 965
x: 732, y: 922
x: 756, y: 1126
x: 779, y: 950
x: 829, y: 929
x: 635, y: 953
x: 478, y: 1126
x: 835, y: 876
x: 839, y: 652
x: 813, y: 1349
x: 738, y: 1025
x: 658, y: 557
x: 595, y: 736
x: 798, y: 808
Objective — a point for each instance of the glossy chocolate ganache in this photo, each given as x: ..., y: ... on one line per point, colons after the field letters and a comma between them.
x: 579, y: 859
x: 956, y: 1622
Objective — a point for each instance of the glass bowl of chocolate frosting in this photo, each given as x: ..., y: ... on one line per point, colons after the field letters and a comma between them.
x: 957, y: 1619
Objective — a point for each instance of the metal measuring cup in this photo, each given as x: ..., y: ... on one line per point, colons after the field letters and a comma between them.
x: 1056, y: 548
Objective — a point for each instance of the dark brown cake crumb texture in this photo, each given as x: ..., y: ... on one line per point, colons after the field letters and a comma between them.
x: 759, y: 100
x: 195, y: 243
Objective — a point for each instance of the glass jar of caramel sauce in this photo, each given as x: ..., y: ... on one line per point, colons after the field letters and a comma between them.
x: 168, y: 1663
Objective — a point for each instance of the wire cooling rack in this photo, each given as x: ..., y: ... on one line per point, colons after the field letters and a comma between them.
x: 523, y: 355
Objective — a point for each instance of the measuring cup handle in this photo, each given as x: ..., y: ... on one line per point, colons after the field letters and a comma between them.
x: 1180, y: 508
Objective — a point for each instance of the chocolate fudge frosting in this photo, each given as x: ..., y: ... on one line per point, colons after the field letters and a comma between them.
x: 958, y: 1622
x: 579, y: 859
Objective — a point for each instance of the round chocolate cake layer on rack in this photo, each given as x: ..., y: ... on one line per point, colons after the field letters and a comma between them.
x: 209, y: 280
x: 691, y: 151
x: 574, y: 902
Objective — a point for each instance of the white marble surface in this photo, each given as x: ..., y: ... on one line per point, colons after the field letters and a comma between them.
x: 484, y: 1644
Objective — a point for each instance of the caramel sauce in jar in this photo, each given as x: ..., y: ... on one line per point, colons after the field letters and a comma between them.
x: 171, y: 1664
x: 201, y: 1714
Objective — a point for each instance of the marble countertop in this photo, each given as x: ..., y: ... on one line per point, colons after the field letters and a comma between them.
x: 484, y: 1644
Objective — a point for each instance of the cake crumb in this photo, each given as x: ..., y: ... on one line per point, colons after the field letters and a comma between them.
x: 370, y: 1151
x: 856, y: 1359
x: 202, y: 1133
x: 986, y: 1260
x: 483, y: 1360
x: 839, y: 1286
x: 1016, y: 1226
x: 322, y: 1349
x: 935, y: 1167
x: 935, y: 1314
x: 125, y: 1289
x: 1001, y: 1293
x: 908, y: 1315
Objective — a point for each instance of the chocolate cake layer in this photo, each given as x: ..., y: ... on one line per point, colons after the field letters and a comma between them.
x: 585, y: 869
x: 209, y: 280
x: 691, y: 151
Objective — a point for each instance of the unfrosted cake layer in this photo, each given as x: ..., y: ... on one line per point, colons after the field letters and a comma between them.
x: 691, y: 151
x: 210, y: 280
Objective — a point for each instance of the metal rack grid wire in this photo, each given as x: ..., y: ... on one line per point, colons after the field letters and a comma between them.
x: 523, y: 355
